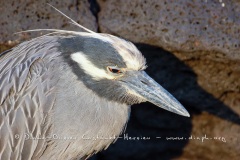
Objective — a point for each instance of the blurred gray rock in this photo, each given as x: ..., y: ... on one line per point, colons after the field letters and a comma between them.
x: 196, y: 28
x: 18, y: 15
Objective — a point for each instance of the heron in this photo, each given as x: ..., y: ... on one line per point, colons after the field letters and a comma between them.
x: 67, y: 95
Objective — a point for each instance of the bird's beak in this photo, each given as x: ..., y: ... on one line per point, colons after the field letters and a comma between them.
x: 143, y: 85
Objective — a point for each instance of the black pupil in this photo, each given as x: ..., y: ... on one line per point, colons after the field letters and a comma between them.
x: 115, y: 70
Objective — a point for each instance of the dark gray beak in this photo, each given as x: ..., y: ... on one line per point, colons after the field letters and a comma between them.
x: 150, y: 90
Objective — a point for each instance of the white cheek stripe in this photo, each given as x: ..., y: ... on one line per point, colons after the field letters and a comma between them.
x: 89, y: 68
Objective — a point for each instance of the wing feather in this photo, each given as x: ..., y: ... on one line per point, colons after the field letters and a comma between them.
x: 26, y: 99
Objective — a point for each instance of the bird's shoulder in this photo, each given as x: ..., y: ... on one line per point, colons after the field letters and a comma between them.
x: 26, y: 100
x: 24, y: 65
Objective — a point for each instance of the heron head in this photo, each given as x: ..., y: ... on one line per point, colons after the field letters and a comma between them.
x: 113, y: 68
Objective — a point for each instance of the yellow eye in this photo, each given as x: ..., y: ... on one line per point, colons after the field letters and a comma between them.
x: 114, y: 70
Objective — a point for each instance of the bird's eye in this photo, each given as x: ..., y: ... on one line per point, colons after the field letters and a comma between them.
x: 114, y: 70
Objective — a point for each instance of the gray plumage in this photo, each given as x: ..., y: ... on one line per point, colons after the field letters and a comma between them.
x: 53, y: 107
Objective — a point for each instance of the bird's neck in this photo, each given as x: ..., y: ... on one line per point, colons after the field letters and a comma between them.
x: 92, y: 120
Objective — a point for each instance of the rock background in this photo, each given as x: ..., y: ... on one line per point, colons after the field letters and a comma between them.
x: 192, y: 49
x: 22, y: 15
